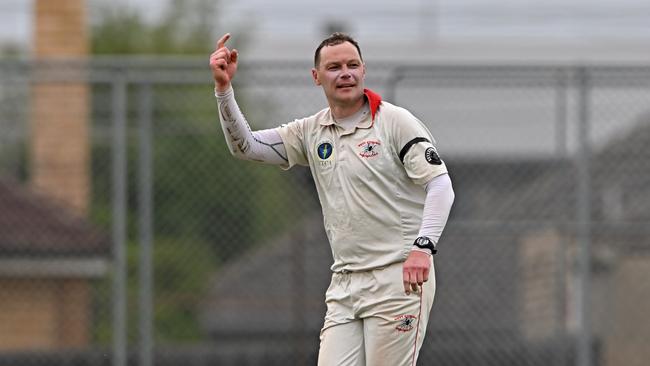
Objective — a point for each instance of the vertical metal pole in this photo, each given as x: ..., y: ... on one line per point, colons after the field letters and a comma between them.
x: 561, y: 151
x: 584, y: 342
x: 145, y: 226
x: 391, y: 83
x: 298, y: 278
x: 561, y: 96
x: 119, y: 219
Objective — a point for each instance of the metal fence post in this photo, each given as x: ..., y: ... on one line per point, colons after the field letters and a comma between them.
x: 561, y: 102
x: 562, y: 151
x: 145, y: 210
x: 298, y: 302
x: 584, y: 341
x: 394, y: 78
x: 119, y: 165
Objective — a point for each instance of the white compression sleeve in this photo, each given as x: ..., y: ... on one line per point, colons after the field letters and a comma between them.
x: 265, y: 146
x: 437, y: 204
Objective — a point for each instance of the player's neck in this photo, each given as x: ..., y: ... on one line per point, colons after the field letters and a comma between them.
x: 350, y: 122
x: 340, y: 111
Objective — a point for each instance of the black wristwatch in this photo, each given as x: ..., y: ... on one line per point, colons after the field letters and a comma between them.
x: 425, y: 243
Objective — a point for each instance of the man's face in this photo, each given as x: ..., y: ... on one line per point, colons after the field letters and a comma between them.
x: 340, y: 73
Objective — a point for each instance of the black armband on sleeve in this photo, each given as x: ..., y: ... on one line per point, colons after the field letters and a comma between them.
x: 408, y: 145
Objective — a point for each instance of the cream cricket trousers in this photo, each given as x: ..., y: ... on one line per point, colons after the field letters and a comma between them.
x: 370, y: 321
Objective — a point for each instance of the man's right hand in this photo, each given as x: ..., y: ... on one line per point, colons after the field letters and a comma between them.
x: 223, y: 63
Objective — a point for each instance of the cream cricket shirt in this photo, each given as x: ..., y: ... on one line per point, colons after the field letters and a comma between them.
x: 369, y: 180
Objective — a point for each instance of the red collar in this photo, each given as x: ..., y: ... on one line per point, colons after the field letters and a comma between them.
x: 374, y: 100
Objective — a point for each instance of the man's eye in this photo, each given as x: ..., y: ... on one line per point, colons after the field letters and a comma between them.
x: 333, y: 67
x: 353, y: 65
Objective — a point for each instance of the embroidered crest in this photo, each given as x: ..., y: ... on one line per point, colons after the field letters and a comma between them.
x: 406, y: 322
x: 324, y: 150
x: 432, y: 156
x: 325, y: 154
x: 369, y: 148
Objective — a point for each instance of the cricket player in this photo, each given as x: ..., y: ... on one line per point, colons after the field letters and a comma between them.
x: 385, y: 196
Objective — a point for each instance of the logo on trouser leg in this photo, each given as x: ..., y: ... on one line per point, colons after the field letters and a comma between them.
x: 406, y: 322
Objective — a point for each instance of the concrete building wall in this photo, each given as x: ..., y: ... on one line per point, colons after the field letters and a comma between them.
x: 542, y: 285
x: 620, y: 297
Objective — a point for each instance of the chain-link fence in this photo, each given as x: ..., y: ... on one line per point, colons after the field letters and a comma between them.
x: 129, y: 235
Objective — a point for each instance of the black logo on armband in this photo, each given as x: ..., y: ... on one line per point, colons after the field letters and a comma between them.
x: 432, y: 156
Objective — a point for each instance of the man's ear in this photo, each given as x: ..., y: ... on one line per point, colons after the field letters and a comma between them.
x: 314, y: 75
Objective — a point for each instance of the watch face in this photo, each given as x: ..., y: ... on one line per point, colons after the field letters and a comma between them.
x: 425, y: 243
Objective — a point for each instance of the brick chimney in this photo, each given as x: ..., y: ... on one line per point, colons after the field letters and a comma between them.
x: 59, y: 112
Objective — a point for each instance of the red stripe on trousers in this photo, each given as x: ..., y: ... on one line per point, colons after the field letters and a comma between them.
x: 417, y: 329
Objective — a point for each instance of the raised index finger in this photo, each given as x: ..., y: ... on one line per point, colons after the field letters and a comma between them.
x: 222, y: 41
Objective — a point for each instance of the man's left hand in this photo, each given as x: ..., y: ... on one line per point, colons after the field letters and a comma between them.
x: 416, y: 271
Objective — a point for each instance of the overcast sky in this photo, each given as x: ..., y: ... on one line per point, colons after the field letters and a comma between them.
x: 446, y: 19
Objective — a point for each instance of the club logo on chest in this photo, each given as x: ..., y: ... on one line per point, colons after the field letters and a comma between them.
x: 369, y: 148
x: 325, y: 152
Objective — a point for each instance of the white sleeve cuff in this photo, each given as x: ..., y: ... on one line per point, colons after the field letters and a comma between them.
x: 437, y: 204
x: 224, y: 93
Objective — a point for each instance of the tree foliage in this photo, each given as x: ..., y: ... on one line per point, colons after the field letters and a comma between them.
x: 208, y: 206
x: 185, y: 28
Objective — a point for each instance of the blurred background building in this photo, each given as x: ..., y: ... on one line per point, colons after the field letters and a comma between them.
x: 128, y: 235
